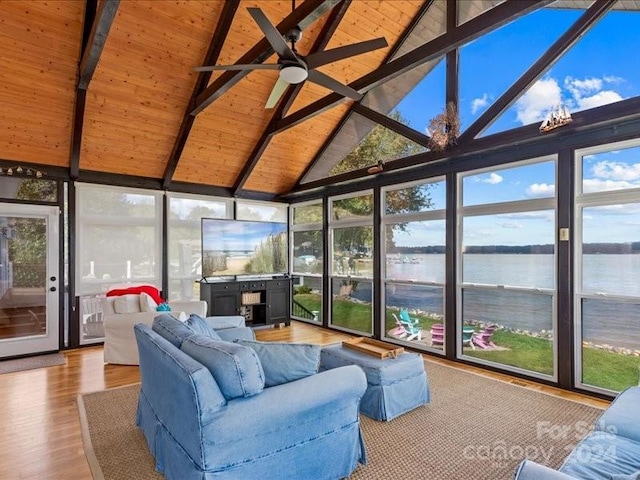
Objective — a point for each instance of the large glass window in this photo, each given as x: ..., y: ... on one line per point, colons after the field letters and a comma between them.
x: 591, y: 74
x: 27, y: 188
x: 185, y: 241
x: 118, y: 237
x: 506, y: 267
x: 351, y: 234
x: 414, y: 263
x: 261, y: 211
x: 118, y: 243
x: 607, y: 282
x: 307, y: 247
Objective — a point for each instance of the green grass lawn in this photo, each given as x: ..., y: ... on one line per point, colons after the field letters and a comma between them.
x: 601, y: 368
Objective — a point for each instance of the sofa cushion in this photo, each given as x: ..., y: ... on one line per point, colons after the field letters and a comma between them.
x: 172, y: 329
x: 285, y: 362
x: 199, y: 325
x: 630, y: 476
x: 127, y: 304
x: 236, y: 368
x: 147, y: 303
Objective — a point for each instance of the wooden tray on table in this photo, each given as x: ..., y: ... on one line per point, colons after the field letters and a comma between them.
x: 372, y: 347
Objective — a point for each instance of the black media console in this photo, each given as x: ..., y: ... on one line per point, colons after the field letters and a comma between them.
x: 261, y: 302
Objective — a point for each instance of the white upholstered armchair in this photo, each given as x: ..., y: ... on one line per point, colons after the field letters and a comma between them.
x: 121, y: 313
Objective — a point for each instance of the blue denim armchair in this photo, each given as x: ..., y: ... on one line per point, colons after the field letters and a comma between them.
x: 305, y: 429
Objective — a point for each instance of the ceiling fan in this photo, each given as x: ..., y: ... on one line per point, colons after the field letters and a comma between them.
x: 295, y: 68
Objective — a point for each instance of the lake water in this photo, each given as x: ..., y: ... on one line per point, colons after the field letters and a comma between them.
x: 604, y: 321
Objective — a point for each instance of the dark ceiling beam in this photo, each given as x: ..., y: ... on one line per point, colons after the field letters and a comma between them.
x: 330, y: 27
x: 104, y: 18
x: 211, y: 58
x: 613, y: 114
x: 303, y: 16
x: 97, y: 23
x: 392, y: 124
x: 597, y: 10
x: 468, y: 31
x: 452, y: 74
x: 415, y: 21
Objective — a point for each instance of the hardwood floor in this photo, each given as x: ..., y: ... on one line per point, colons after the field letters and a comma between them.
x: 39, y: 427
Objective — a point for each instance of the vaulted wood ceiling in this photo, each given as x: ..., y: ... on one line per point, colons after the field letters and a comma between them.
x: 122, y: 97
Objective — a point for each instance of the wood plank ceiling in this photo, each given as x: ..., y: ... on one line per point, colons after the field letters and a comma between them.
x: 133, y: 114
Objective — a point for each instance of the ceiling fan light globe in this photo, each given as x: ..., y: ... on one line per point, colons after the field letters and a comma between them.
x: 293, y: 74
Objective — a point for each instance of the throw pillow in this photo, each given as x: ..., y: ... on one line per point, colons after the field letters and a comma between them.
x: 285, y: 362
x: 200, y: 325
x: 127, y: 304
x: 147, y: 304
x: 171, y: 329
x: 235, y: 368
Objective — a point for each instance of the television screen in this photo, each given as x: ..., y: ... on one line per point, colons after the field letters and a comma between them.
x: 239, y: 247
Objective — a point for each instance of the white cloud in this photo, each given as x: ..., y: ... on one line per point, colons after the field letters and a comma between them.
x: 538, y: 100
x: 544, y: 215
x: 616, y: 170
x: 492, y: 179
x: 604, y: 97
x: 541, y: 190
x: 590, y: 93
x: 479, y: 103
x: 613, y: 79
x: 579, y: 88
x: 596, y: 185
x: 514, y: 225
x: 579, y: 94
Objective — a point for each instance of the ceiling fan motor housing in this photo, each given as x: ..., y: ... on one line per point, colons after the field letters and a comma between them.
x: 294, y: 35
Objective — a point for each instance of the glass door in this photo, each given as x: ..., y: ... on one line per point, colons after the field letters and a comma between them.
x: 29, y: 237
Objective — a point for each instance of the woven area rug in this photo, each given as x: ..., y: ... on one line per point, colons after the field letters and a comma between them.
x: 474, y: 427
x: 29, y: 363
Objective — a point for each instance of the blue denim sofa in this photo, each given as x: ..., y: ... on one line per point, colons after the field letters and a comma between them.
x: 611, y: 451
x: 304, y: 429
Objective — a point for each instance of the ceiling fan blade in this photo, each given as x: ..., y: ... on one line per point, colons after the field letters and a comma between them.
x: 272, y: 34
x: 250, y: 66
x: 276, y: 93
x: 326, y: 81
x: 328, y: 56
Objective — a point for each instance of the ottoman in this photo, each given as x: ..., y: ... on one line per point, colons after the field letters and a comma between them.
x: 395, y: 385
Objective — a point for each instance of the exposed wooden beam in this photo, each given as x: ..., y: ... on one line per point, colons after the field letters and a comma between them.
x: 97, y: 23
x: 415, y: 21
x: 468, y: 31
x: 452, y: 80
x: 104, y: 18
x: 392, y: 124
x: 597, y: 10
x: 211, y: 58
x: 320, y: 44
x: 76, y: 132
x: 303, y: 16
x: 612, y: 114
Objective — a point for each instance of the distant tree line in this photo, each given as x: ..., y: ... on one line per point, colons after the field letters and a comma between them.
x: 589, y: 249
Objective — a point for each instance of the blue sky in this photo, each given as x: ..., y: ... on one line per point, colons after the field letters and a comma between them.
x: 601, y: 68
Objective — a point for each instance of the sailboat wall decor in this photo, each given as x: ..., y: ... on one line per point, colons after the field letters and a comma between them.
x: 556, y: 117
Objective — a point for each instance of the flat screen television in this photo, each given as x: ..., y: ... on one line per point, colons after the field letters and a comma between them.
x: 241, y: 247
